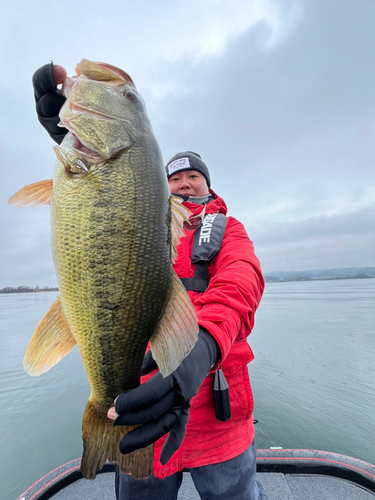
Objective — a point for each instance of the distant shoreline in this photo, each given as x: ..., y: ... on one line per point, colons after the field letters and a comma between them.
x: 26, y: 289
x: 267, y: 279
x: 270, y: 279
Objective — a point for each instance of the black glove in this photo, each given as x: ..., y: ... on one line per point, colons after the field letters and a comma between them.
x: 48, y: 101
x: 161, y: 405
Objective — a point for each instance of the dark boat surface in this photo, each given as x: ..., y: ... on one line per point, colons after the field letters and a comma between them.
x: 284, y: 474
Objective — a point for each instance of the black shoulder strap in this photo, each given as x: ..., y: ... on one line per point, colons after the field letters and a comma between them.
x: 207, y: 242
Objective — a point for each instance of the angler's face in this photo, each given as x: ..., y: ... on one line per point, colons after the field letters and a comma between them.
x: 188, y: 182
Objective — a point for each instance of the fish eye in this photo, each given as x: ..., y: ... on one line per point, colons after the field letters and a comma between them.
x: 130, y: 95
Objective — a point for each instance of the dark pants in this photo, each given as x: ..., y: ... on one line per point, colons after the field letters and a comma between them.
x: 230, y: 480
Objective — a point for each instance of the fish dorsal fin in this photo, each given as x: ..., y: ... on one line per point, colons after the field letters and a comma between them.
x: 51, y: 341
x: 35, y: 194
x: 102, y: 72
x: 179, y: 216
x: 177, y: 331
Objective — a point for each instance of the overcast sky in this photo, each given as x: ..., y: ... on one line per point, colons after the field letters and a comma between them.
x: 278, y: 97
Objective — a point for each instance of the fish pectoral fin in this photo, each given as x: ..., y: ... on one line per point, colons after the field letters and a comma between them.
x: 179, y: 215
x: 35, y: 194
x: 177, y: 331
x: 52, y: 340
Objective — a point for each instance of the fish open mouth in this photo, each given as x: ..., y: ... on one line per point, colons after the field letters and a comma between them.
x: 76, y: 155
x: 73, y: 145
x: 86, y: 149
x: 73, y: 141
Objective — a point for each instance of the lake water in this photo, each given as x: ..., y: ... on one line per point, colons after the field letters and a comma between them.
x: 313, y: 379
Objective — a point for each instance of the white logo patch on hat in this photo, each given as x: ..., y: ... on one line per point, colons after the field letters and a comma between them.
x: 180, y: 164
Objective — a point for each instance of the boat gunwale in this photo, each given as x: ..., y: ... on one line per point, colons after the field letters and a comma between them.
x: 296, y: 462
x: 317, y: 463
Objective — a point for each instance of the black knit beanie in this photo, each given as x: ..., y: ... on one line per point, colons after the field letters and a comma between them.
x: 187, y: 161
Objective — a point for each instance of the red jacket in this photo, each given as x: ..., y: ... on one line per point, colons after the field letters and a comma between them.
x: 226, y: 310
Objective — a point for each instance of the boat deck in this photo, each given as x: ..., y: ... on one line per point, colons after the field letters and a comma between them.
x: 284, y: 474
x: 278, y: 486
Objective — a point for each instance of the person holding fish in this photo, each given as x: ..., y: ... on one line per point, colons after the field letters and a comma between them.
x: 188, y: 415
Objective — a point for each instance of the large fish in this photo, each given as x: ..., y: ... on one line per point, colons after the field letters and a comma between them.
x: 114, y: 229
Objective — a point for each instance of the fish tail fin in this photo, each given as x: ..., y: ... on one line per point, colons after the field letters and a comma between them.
x: 101, y: 442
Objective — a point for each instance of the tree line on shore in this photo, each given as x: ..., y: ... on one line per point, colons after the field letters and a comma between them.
x: 28, y: 289
x: 272, y: 279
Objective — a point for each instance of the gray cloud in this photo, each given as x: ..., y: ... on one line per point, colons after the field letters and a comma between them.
x: 283, y: 114
x: 288, y: 132
x: 255, y: 105
x: 318, y: 242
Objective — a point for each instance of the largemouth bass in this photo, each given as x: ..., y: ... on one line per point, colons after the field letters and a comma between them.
x: 114, y: 232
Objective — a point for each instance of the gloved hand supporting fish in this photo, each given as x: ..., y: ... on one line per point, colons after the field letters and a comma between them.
x: 114, y: 232
x: 161, y: 405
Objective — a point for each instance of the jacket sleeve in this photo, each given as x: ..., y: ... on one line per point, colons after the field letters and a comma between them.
x: 226, y: 309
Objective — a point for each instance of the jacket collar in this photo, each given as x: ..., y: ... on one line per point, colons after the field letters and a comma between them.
x: 215, y: 206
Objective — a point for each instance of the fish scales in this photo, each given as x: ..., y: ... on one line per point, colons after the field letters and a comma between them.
x: 110, y: 280
x: 112, y: 245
